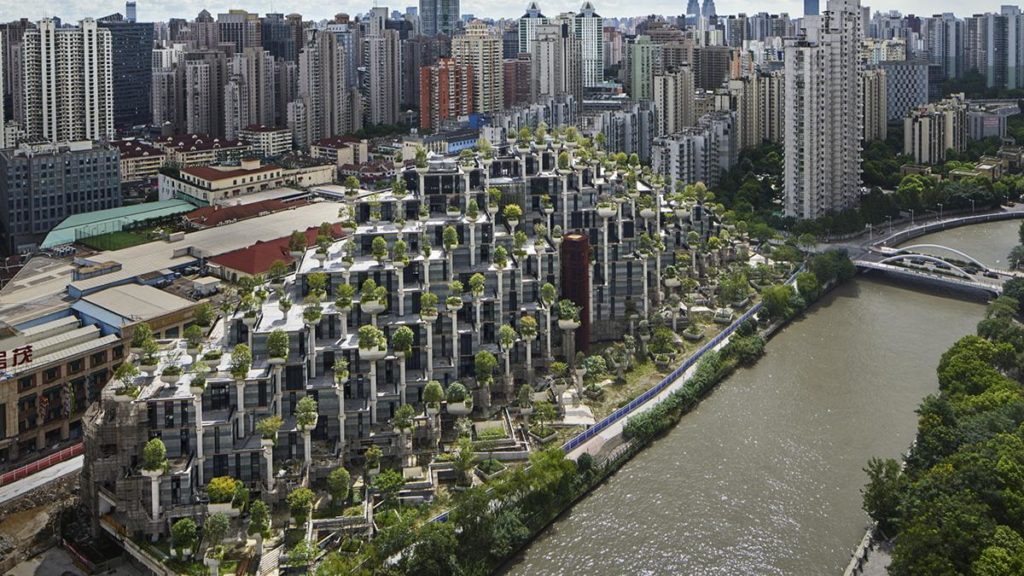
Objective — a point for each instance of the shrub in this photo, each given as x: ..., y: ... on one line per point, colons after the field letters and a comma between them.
x: 154, y: 455
x: 371, y: 338
x: 268, y: 427
x: 241, y: 361
x: 433, y: 393
x: 184, y: 533
x: 221, y: 489
x: 277, y: 344
x: 338, y: 483
x: 300, y: 503
x: 456, y: 393
x: 306, y: 412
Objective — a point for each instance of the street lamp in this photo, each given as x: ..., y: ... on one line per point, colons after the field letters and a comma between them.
x: 889, y: 220
x: 911, y: 217
x: 940, y: 211
x: 972, y: 205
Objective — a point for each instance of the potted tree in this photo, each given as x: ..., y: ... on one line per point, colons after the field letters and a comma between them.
x: 372, y: 343
x: 140, y: 333
x: 259, y: 523
x: 125, y: 374
x: 278, y: 270
x: 300, y: 504
x: 297, y: 244
x: 197, y: 381
x: 512, y: 213
x: 171, y: 373
x: 454, y: 300
x: 493, y: 201
x: 277, y: 347
x: 525, y: 400
x: 401, y: 342
x: 460, y: 402
x: 340, y: 370
x: 194, y: 339
x: 305, y: 419
x: 528, y: 330
x: 428, y: 307
x: 370, y: 297
x: 284, y: 303
x: 149, y: 360
x: 241, y: 361
x: 184, y: 534
x: 433, y: 394
x: 221, y: 492
x: 154, y: 465
x: 373, y: 456
x: 568, y: 315
x: 421, y: 160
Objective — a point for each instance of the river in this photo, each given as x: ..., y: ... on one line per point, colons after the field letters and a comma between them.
x: 764, y: 477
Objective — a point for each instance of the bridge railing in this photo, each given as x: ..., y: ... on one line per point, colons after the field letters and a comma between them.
x: 904, y: 235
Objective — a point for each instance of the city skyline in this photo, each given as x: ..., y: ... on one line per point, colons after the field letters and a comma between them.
x: 74, y: 10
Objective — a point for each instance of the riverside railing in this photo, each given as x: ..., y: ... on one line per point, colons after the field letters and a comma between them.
x: 607, y: 421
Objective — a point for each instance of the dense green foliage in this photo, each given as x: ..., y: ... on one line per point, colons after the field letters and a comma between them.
x: 958, y: 507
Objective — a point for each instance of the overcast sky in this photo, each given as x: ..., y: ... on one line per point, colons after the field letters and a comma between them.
x: 318, y: 9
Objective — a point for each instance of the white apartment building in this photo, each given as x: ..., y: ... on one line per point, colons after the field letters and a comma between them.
x: 590, y: 31
x: 824, y: 113
x: 67, y: 82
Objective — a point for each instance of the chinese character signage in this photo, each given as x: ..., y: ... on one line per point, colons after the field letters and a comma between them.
x: 17, y: 357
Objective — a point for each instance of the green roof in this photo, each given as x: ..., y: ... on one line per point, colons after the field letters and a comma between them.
x: 112, y: 220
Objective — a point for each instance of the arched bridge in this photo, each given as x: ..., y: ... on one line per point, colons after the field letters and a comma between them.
x: 917, y: 247
x: 910, y: 262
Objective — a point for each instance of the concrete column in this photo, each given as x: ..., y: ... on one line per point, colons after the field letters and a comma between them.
x: 373, y: 392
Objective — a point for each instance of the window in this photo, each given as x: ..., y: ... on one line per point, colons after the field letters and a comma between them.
x: 26, y: 383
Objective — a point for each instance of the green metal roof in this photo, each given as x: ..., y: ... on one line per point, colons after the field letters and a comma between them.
x: 112, y: 220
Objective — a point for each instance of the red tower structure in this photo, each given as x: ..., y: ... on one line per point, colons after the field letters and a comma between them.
x: 576, y: 282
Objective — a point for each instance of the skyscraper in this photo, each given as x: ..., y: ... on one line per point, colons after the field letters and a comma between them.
x: 824, y: 113
x: 446, y: 92
x: 692, y: 11
x: 644, y: 63
x: 249, y: 94
x: 323, y: 105
x: 205, y: 78
x: 66, y: 82
x: 439, y: 17
x: 590, y: 31
x: 673, y: 100
x: 810, y: 7
x: 131, y: 51
x: 944, y: 40
x: 382, y: 87
x: 282, y: 36
x: 707, y: 10
x: 527, y: 27
x: 241, y: 28
x: 129, y: 11
x: 481, y: 52
x: 556, y: 61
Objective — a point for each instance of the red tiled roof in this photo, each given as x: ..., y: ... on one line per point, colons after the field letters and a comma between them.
x: 211, y: 173
x: 337, y: 141
x: 136, y: 149
x: 256, y: 259
x: 210, y: 216
x: 190, y: 142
